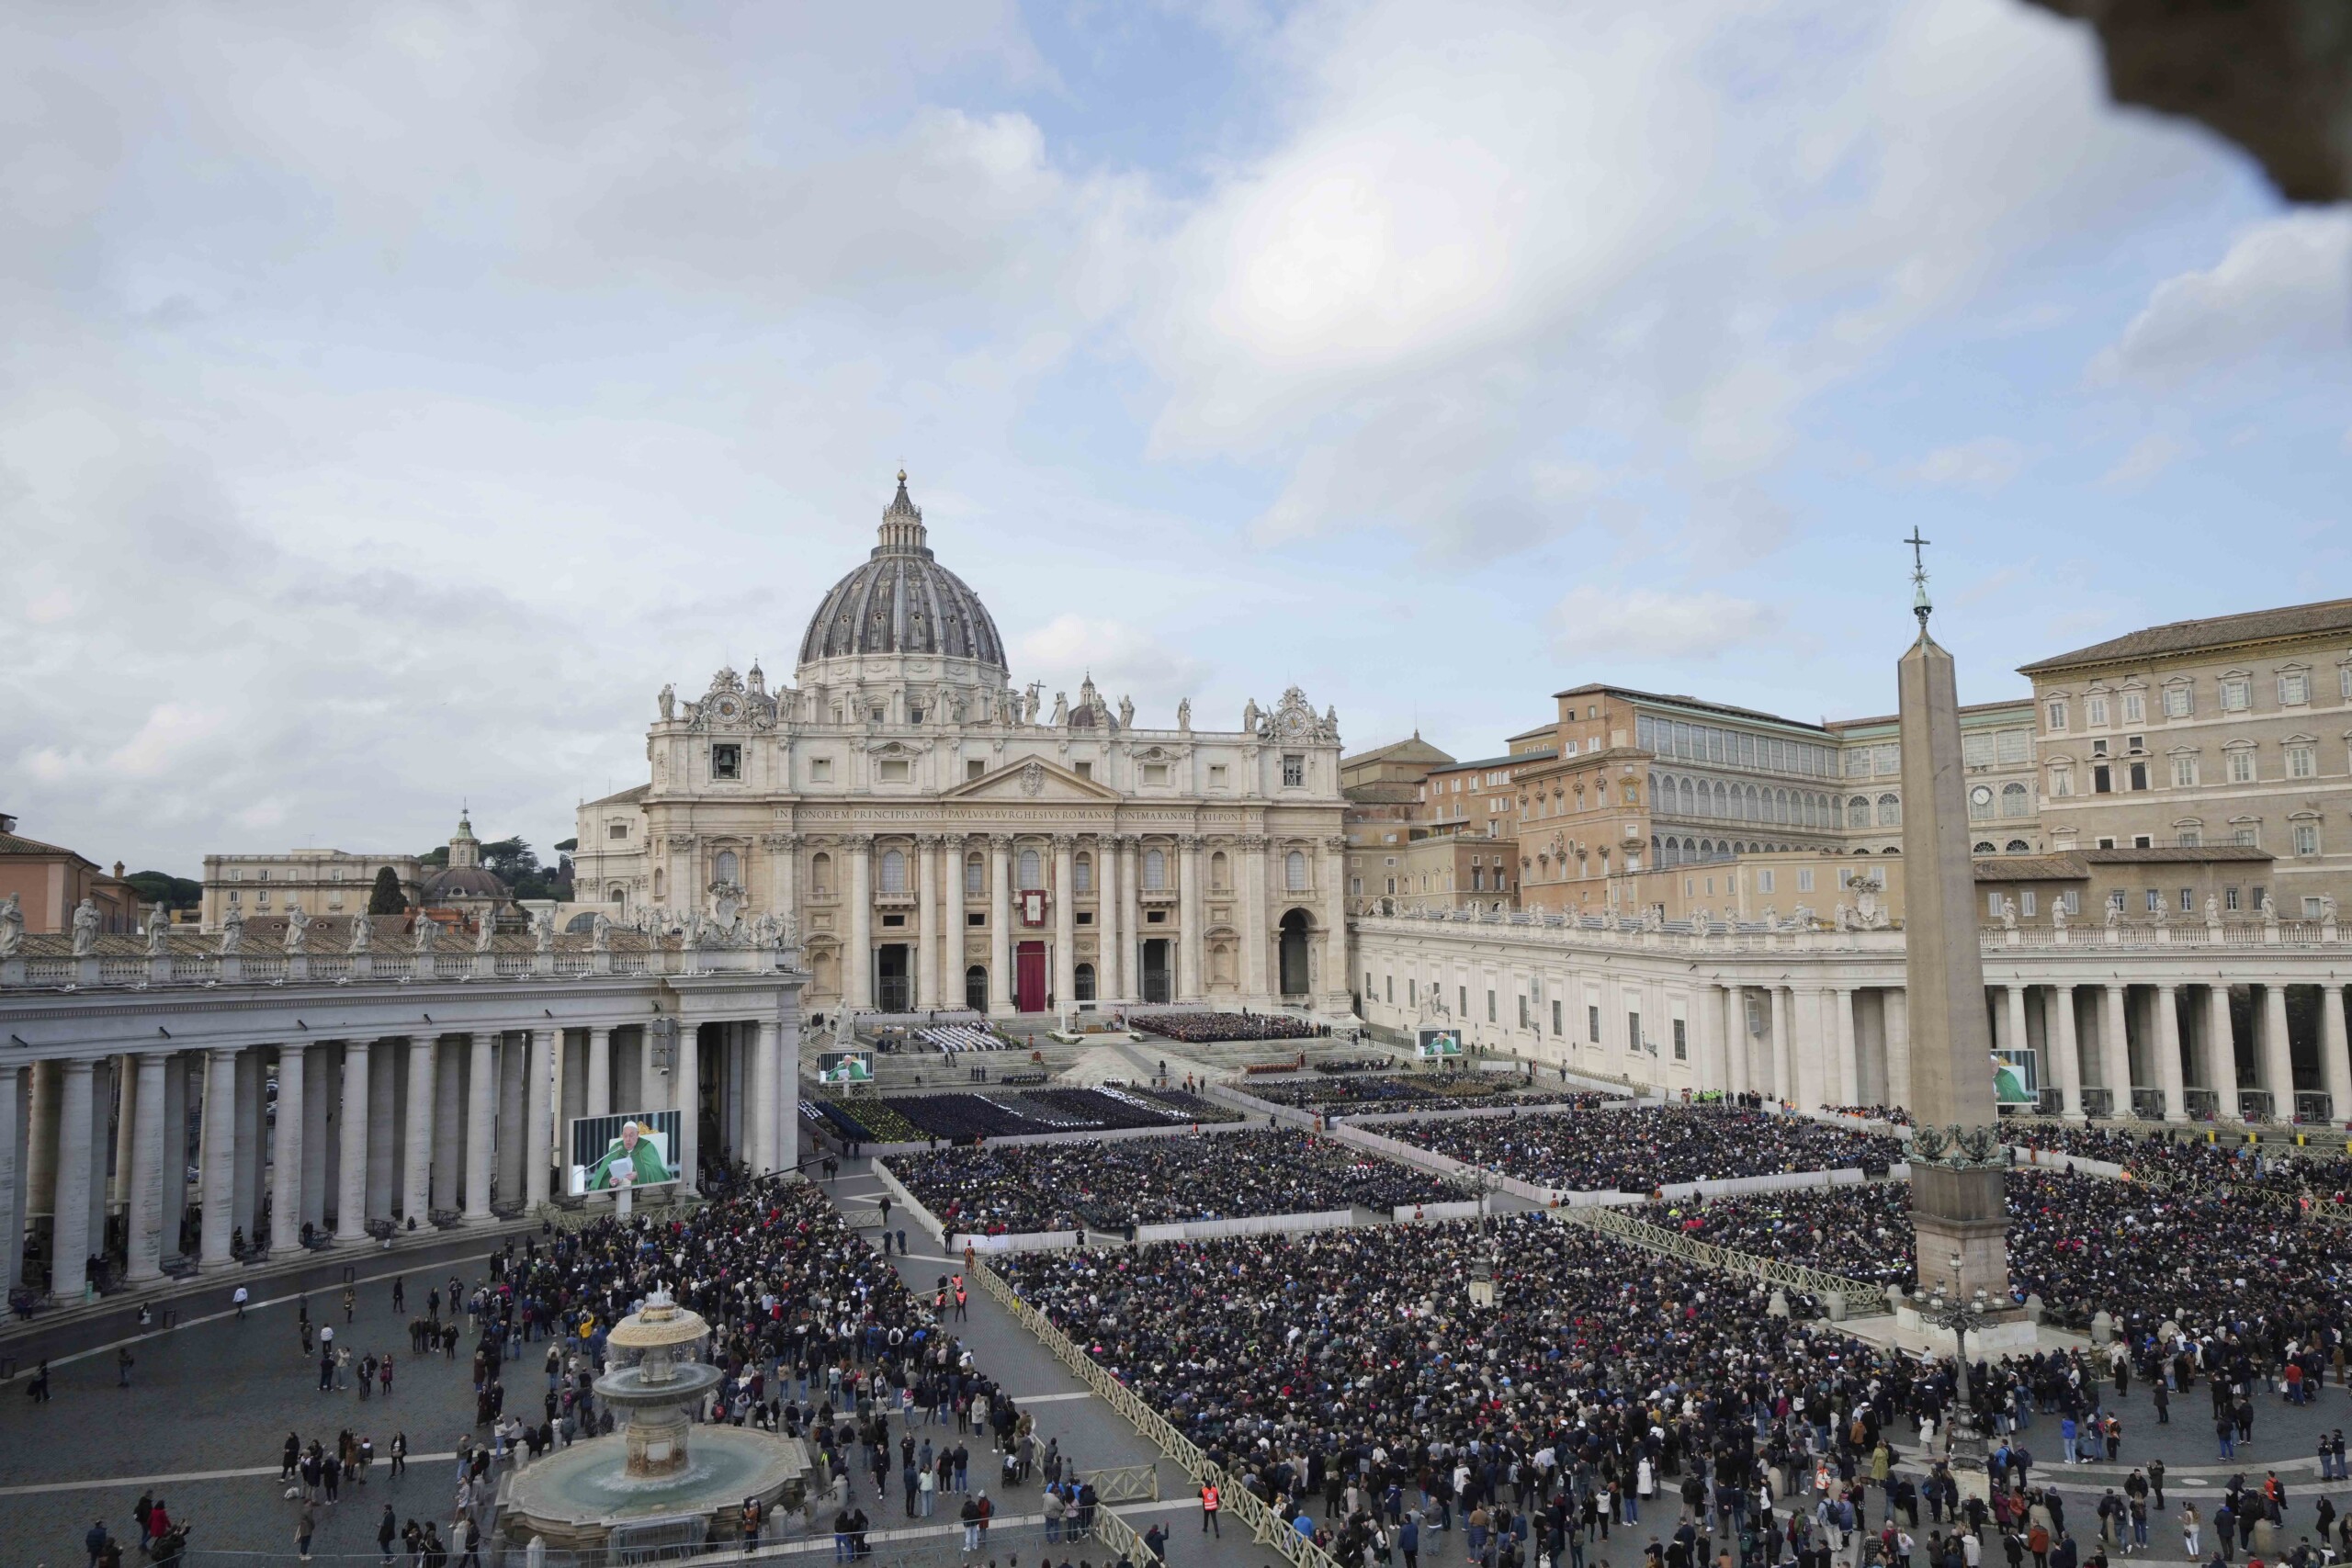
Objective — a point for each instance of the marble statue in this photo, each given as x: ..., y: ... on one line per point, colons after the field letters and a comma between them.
x: 845, y: 1032
x: 159, y: 932
x: 363, y: 931
x: 955, y: 707
x: 669, y: 700
x: 1250, y: 716
x: 2157, y: 916
x: 2008, y: 914
x: 485, y: 930
x: 543, y: 930
x: 2057, y: 912
x: 1034, y: 695
x: 2327, y: 909
x: 1843, y: 916
x: 1126, y: 713
x: 427, y: 928
x: 233, y: 931
x: 85, y: 927
x: 600, y: 934
x: 2213, y: 911
x: 1061, y: 710
x: 2269, y: 914
x: 2114, y: 914
x: 1868, y: 909
x: 298, y: 926
x: 1184, y: 716
x: 12, y: 926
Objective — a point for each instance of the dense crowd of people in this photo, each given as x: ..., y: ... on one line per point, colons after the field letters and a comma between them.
x: 963, y: 1117
x: 1639, y: 1149
x: 1218, y: 1028
x: 1450, y: 1091
x: 1108, y: 1186
x: 2167, y: 1159
x: 2210, y: 1259
x: 1894, y: 1115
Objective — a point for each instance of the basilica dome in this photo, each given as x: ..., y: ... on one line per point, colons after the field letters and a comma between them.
x: 901, y: 601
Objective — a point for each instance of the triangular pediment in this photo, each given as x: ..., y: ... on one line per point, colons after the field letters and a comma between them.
x: 1031, y: 779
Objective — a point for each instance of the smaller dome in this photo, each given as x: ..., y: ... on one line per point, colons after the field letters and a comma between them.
x: 462, y: 881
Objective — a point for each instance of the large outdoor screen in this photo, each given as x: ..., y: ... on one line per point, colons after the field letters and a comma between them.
x: 632, y: 1149
x: 1432, y: 1045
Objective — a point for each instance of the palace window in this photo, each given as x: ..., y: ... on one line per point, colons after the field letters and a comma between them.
x: 1032, y: 870
x: 2294, y: 687
x: 2015, y: 800
x: 2054, y: 716
x: 726, y: 866
x: 2180, y: 700
x: 2303, y: 761
x: 1155, y: 871
x: 2189, y: 838
x: 894, y: 872
x: 1889, y: 809
x: 1976, y: 750
x: 2135, y: 708
x: 2237, y: 694
x: 1082, y: 873
x: 2095, y: 712
x: 976, y: 876
x: 2184, y: 770
x: 2241, y: 764
x: 2307, y: 838
x: 1294, y: 872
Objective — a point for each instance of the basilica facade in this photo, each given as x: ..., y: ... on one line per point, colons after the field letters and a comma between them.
x: 940, y: 839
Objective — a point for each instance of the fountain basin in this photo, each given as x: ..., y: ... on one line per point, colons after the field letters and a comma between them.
x: 576, y: 1496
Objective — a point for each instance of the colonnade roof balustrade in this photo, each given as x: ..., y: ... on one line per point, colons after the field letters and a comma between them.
x: 1797, y: 934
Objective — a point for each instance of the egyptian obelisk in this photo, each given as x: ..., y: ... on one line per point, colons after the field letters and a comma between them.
x: 1957, y: 1159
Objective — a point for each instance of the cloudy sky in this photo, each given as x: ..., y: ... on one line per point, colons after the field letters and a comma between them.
x: 393, y: 397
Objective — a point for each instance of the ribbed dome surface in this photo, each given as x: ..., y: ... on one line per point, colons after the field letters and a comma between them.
x: 463, y: 882
x: 902, y: 600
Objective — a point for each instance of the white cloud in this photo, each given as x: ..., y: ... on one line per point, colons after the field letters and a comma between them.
x: 1124, y: 659
x: 2284, y: 287
x: 1984, y: 465
x: 1590, y: 622
x: 2149, y: 457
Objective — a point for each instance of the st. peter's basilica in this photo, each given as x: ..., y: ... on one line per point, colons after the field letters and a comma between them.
x: 939, y: 842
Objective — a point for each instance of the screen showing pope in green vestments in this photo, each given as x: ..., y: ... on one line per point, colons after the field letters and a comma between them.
x: 632, y: 1150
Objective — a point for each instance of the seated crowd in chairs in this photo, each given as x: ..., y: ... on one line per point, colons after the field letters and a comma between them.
x: 1635, y: 1150
x: 955, y: 1039
x: 964, y: 1117
x: 1212, y: 1027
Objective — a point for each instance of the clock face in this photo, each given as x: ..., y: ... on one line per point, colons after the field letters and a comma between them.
x: 727, y: 708
x: 1980, y: 794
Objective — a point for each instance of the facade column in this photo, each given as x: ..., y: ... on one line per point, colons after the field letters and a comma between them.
x: 1065, y: 924
x: 1260, y: 982
x: 13, y: 1085
x: 1339, y: 978
x: 685, y: 1088
x: 69, y: 1248
x: 1898, y: 1046
x: 1187, y: 902
x: 143, y: 1108
x: 219, y: 1156
x: 2167, y: 1048
x: 1110, y: 921
x: 351, y: 1202
x: 1784, y: 1082
x: 2058, y: 1020
x: 538, y: 1114
x: 950, y: 940
x: 1000, y: 926
x: 416, y: 1166
x: 928, y: 909
x: 600, y: 1070
x: 287, y: 1162
x: 2278, y: 1059
x: 857, y: 956
x: 1131, y: 912
x: 764, y: 1097
x: 2115, y: 1050
x: 482, y: 1115
x: 1849, y: 1044
x: 2221, y: 1047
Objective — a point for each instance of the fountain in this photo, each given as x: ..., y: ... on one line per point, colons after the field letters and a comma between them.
x: 644, y: 1485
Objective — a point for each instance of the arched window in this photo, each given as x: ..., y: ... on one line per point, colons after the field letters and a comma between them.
x: 1857, y: 812
x: 2017, y: 847
x: 820, y: 873
x: 1890, y: 811
x: 726, y: 866
x: 976, y: 878
x: 1690, y: 798
x: 894, y: 872
x: 1155, y: 871
x: 1218, y: 871
x: 1981, y: 848
x: 1294, y: 872
x: 1032, y: 870
x: 1723, y: 799
x: 2014, y: 801
x: 657, y: 882
x: 1082, y: 870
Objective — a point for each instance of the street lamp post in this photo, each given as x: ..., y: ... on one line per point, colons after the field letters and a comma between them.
x: 1964, y: 1445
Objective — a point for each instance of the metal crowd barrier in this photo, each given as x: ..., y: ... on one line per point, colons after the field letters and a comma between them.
x: 1855, y: 1297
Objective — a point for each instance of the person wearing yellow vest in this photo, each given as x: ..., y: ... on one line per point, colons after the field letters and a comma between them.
x: 1209, y: 1504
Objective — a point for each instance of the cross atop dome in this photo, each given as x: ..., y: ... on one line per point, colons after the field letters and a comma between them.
x: 902, y: 531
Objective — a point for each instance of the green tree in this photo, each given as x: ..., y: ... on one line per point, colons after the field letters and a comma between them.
x: 386, y: 898
x: 162, y: 888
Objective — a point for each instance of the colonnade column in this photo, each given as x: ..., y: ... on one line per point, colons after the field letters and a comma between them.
x: 70, y: 1224
x: 2013, y: 1031
x: 513, y: 1110
x: 126, y: 1092
x: 2337, y: 1070
x: 351, y: 1202
x: 1849, y: 1050
x: 1065, y: 923
x: 1188, y: 903
x: 173, y: 1166
x: 857, y: 952
x: 2115, y: 1050
x: 416, y: 1163
x: 2278, y: 1058
x: 600, y: 1070
x: 2167, y: 1048
x: 143, y: 1227
x: 1000, y: 925
x: 2058, y: 1020
x: 250, y: 1088
x: 383, y: 1150
x: 538, y: 1113
x: 448, y: 1110
x: 686, y: 1086
x: 929, y: 911
x: 1784, y: 1086
x: 2222, y: 1047
x: 318, y: 1090
x: 1735, y: 1028
x: 12, y: 1183
x: 765, y: 1096
x: 1110, y: 958
x: 786, y: 1098
x: 482, y: 1102
x: 1897, y: 1008
x: 286, y: 1186
x: 219, y: 1156
x: 1339, y: 978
